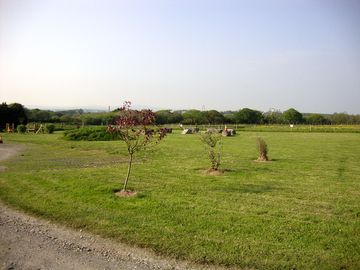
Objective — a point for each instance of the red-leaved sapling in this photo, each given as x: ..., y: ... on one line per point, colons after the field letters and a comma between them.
x: 133, y: 127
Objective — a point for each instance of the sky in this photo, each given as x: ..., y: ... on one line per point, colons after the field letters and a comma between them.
x: 182, y: 54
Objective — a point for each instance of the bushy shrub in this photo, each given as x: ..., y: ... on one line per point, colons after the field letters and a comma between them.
x: 49, y: 128
x: 212, y: 142
x: 89, y: 134
x: 21, y: 128
x: 263, y: 149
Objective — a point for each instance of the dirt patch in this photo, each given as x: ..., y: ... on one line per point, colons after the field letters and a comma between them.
x: 126, y: 193
x: 262, y: 161
x: 213, y: 172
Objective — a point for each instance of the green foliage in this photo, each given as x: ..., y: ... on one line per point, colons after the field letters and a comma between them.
x: 21, y: 128
x: 12, y: 114
x: 196, y: 117
x: 344, y: 118
x: 212, y: 141
x: 89, y: 134
x: 193, y: 117
x: 229, y: 117
x: 316, y: 119
x: 274, y: 117
x: 248, y: 116
x: 99, y: 118
x: 41, y: 116
x: 49, y: 128
x: 167, y: 117
x: 292, y: 116
x: 214, y: 117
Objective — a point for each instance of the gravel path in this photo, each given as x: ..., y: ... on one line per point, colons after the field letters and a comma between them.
x: 32, y: 243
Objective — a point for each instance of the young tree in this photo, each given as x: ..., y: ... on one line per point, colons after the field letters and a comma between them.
x: 132, y: 128
x: 212, y: 141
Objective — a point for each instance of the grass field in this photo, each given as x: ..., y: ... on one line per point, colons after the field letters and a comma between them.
x: 299, y: 211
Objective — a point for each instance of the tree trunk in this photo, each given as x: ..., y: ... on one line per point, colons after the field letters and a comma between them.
x: 128, y: 172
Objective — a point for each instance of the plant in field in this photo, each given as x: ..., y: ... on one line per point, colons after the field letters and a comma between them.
x: 49, y: 128
x: 21, y: 128
x: 212, y: 142
x: 263, y: 149
x: 132, y: 126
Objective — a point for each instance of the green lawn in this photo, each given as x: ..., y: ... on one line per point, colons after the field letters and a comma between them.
x: 299, y: 211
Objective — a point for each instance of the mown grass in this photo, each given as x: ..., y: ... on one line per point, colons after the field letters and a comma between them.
x: 299, y: 211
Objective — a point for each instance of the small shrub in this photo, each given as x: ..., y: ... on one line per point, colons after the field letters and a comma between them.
x: 212, y: 141
x: 21, y: 129
x: 89, y: 134
x: 49, y: 128
x: 263, y: 149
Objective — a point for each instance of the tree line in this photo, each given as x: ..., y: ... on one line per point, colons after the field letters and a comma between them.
x: 250, y: 116
x: 16, y: 113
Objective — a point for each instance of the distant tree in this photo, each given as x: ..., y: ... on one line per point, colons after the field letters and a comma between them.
x: 274, y: 117
x: 12, y: 114
x: 17, y: 114
x: 66, y: 119
x: 37, y: 115
x: 316, y: 119
x: 163, y: 117
x: 213, y: 117
x: 340, y: 118
x: 248, y: 116
x: 193, y: 117
x: 55, y: 119
x: 356, y: 119
x: 132, y: 128
x: 4, y: 115
x: 98, y: 118
x: 292, y: 116
x: 229, y: 117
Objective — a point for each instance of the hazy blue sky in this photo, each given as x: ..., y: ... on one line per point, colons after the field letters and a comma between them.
x: 182, y: 54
